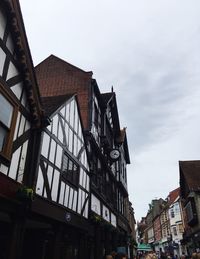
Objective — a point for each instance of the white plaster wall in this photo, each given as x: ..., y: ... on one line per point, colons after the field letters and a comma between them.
x: 95, y: 205
x: 2, y: 24
x: 2, y: 60
x: 12, y: 71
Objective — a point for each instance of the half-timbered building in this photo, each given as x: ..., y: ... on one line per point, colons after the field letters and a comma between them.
x: 62, y: 184
x: 20, y: 121
x: 107, y: 149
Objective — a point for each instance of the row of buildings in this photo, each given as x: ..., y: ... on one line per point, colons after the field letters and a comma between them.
x: 173, y: 225
x: 63, y: 157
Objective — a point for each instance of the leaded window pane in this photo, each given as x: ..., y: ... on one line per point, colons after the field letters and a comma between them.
x: 70, y: 171
x: 3, y: 133
x: 6, y: 111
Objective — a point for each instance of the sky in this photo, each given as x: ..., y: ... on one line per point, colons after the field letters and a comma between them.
x: 149, y: 51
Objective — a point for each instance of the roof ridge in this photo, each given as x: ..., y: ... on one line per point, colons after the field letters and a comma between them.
x: 65, y: 62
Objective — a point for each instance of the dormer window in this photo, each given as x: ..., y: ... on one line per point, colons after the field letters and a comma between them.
x: 8, y: 116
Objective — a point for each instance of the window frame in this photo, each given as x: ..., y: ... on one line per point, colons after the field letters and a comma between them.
x: 67, y: 179
x: 6, y: 152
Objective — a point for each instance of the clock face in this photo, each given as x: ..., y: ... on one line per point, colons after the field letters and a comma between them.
x: 114, y: 154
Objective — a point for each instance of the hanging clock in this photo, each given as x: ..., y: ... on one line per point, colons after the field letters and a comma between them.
x: 114, y: 154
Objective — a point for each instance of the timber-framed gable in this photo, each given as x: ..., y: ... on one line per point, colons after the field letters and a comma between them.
x: 18, y: 92
x: 63, y: 175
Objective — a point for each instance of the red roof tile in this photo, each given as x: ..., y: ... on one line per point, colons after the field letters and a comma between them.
x: 57, y: 77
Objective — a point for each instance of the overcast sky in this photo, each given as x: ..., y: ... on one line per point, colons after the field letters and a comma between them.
x: 149, y: 51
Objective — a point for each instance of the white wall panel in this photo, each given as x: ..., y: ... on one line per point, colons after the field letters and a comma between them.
x: 60, y: 133
x: 55, y: 125
x: 3, y: 169
x: 62, y: 192
x: 52, y: 151
x: 2, y: 60
x: 27, y: 126
x: 17, y: 90
x: 75, y: 201
x: 24, y: 101
x: 54, y: 190
x: 22, y: 162
x: 84, y: 180
x: 9, y: 43
x: 2, y: 24
x: 70, y: 197
x: 58, y: 156
x: 67, y: 112
x: 50, y: 127
x: 17, y: 125
x: 12, y: 71
x: 70, y: 140
x: 113, y: 220
x: 14, y: 164
x: 66, y: 195
x: 45, y: 145
x: 80, y: 198
x: 40, y: 183
x: 95, y: 205
x: 81, y: 177
x: 86, y: 210
x: 63, y: 111
x: 49, y: 174
x: 87, y: 183
x: 21, y: 126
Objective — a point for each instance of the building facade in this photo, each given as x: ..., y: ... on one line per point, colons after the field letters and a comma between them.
x: 107, y: 150
x: 190, y: 198
x: 20, y: 123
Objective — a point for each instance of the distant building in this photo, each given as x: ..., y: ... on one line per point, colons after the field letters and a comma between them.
x: 190, y: 196
x: 176, y: 221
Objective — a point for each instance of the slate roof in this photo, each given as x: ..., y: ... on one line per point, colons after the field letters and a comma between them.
x: 52, y: 103
x: 190, y: 171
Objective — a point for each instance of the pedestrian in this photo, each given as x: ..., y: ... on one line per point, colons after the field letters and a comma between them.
x: 120, y: 256
x: 182, y: 256
x: 113, y: 253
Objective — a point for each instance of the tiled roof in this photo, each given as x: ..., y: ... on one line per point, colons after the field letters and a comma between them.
x: 191, y: 174
x: 57, y: 77
x: 173, y: 195
x: 52, y: 103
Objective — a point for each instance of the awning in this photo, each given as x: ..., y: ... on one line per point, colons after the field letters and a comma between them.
x: 144, y: 247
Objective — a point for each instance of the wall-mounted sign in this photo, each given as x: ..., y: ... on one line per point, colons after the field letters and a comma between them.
x: 68, y: 216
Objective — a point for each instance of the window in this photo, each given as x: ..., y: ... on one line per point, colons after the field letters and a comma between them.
x: 174, y: 231
x: 70, y: 171
x: 8, y: 116
x: 172, y: 213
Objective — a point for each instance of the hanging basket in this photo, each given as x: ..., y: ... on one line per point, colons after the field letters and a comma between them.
x: 25, y: 194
